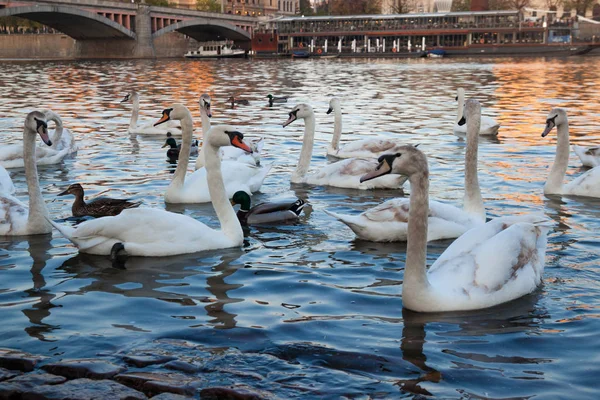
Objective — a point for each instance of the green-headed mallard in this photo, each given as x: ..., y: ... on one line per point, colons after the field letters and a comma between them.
x: 266, y: 213
x: 273, y: 99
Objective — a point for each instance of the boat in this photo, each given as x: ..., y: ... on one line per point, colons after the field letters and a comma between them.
x: 216, y: 49
x: 300, y: 54
x: 436, y: 53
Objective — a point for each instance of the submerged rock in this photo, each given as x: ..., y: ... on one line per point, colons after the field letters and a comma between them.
x: 84, y: 368
x: 223, y: 393
x: 142, y: 361
x: 154, y: 382
x: 7, y: 374
x: 88, y: 389
x: 21, y: 385
x: 18, y: 360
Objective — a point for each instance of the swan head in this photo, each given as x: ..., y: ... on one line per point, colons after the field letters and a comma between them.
x: 129, y: 96
x: 177, y: 112
x: 35, y: 122
x: 205, y: 104
x: 226, y: 135
x: 75, y: 189
x: 460, y: 94
x: 334, y: 104
x: 300, y: 111
x: 472, y: 111
x: 52, y: 116
x: 408, y: 161
x: 556, y: 117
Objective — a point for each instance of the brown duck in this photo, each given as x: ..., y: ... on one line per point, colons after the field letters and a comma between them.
x: 101, y: 207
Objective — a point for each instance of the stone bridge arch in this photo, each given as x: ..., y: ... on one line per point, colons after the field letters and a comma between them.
x: 74, y: 22
x: 204, y: 29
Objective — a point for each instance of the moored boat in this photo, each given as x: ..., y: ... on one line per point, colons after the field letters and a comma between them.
x: 217, y: 49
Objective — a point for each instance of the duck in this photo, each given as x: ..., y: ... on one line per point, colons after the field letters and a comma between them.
x: 16, y: 218
x: 148, y: 128
x: 195, y: 187
x: 586, y: 184
x: 174, y: 148
x: 62, y: 138
x: 343, y: 174
x: 266, y: 213
x: 101, y: 207
x: 489, y: 126
x: 490, y: 264
x: 388, y: 222
x: 364, y: 148
x: 240, y: 102
x: 6, y: 183
x: 151, y: 232
x: 278, y: 100
x: 12, y: 155
x: 589, y: 156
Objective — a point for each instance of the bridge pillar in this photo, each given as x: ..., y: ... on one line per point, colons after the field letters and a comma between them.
x: 143, y: 29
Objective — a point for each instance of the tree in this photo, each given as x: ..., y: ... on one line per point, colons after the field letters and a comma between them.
x: 581, y: 6
x: 355, y: 7
x: 461, y: 5
x: 403, y: 6
x: 553, y: 5
x: 208, y: 5
x: 305, y: 8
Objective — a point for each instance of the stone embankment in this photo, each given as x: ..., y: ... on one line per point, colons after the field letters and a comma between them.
x: 135, y: 376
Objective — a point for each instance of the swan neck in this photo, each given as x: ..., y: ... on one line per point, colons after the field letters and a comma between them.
x: 415, y: 276
x: 337, y: 129
x: 230, y: 225
x: 187, y: 131
x: 135, y: 113
x: 205, y: 121
x: 461, y: 105
x: 307, y: 149
x: 561, y: 161
x: 58, y: 131
x: 36, y: 222
x: 473, y: 202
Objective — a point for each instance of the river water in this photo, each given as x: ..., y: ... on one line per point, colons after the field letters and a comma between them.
x: 305, y: 310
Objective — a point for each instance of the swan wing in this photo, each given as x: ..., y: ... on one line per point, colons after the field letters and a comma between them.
x: 587, y: 184
x: 6, y: 184
x: 367, y: 148
x: 13, y: 215
x: 589, y: 156
x: 347, y: 173
x: 162, y: 129
x: 147, y: 232
x: 492, y: 263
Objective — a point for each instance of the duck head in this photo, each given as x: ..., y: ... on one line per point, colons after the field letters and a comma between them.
x: 170, y: 142
x: 556, y: 117
x: 75, y: 189
x: 243, y: 199
x: 36, y: 122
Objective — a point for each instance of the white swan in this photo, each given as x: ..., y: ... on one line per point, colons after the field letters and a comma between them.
x: 62, y: 138
x: 11, y: 156
x: 148, y: 128
x: 488, y: 265
x: 588, y: 183
x: 359, y: 148
x: 388, y: 222
x: 589, y: 156
x: 15, y: 217
x: 195, y: 187
x: 155, y: 233
x: 6, y: 184
x: 229, y: 152
x: 345, y: 173
x: 489, y: 126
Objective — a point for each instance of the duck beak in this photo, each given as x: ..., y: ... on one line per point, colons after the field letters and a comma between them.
x: 383, y: 168
x: 291, y: 119
x: 66, y: 192
x: 165, y: 117
x: 549, y: 126
x: 232, y: 202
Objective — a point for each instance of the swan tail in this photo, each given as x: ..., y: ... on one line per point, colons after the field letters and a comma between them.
x: 352, y: 221
x: 257, y: 180
x: 66, y: 231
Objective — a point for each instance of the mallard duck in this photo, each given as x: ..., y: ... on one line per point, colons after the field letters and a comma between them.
x: 240, y: 102
x: 266, y: 213
x: 273, y: 99
x: 101, y: 207
x: 173, y: 152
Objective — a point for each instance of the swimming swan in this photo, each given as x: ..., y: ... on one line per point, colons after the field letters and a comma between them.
x: 15, y: 217
x: 345, y: 173
x: 589, y: 156
x: 489, y: 126
x: 154, y: 233
x: 359, y: 148
x: 388, y: 222
x: 195, y: 187
x: 587, y: 184
x: 62, y: 138
x: 488, y: 265
x: 149, y: 128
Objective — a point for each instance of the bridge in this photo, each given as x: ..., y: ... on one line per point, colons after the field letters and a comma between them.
x: 119, y: 29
